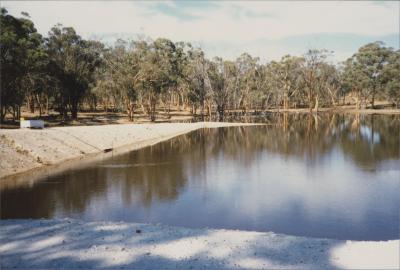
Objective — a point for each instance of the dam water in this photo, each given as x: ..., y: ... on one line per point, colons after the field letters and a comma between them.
x: 329, y: 176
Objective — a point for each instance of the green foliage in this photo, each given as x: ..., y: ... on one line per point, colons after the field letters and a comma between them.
x: 391, y: 78
x: 22, y: 59
x: 286, y: 79
x: 75, y: 60
x: 196, y: 77
x: 364, y: 71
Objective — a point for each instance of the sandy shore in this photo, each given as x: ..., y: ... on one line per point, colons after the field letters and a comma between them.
x: 22, y: 150
x: 72, y: 244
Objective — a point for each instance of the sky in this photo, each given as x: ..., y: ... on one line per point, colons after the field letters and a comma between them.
x: 266, y: 29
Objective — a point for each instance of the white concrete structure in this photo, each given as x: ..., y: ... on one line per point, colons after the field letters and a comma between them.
x: 32, y: 124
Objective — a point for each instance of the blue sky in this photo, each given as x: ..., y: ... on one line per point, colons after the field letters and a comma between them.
x: 267, y: 29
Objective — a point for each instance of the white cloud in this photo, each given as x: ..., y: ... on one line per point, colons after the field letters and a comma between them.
x: 231, y: 23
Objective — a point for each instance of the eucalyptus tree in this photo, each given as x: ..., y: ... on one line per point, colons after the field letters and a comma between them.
x: 103, y: 89
x: 222, y: 75
x: 116, y: 78
x: 127, y: 79
x: 35, y: 80
x: 76, y: 60
x: 40, y: 87
x: 391, y: 78
x: 21, y: 59
x: 313, y: 60
x: 286, y: 75
x: 124, y: 75
x: 196, y: 75
x: 157, y: 67
x: 329, y: 84
x: 367, y: 66
x: 355, y: 83
x: 246, y: 85
x: 179, y: 60
x: 263, y: 95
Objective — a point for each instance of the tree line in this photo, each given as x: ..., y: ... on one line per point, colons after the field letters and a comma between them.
x: 66, y: 73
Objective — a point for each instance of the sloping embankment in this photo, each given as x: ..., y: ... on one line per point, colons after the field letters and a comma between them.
x: 22, y: 150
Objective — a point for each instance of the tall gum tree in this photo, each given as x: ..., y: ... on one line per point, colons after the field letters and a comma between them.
x: 157, y: 67
x: 391, y: 78
x: 246, y: 81
x: 77, y: 60
x: 367, y: 66
x: 313, y: 60
x: 287, y: 76
x: 222, y: 75
x: 196, y: 77
x: 21, y: 60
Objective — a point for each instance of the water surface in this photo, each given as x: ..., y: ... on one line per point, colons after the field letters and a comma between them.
x: 330, y: 176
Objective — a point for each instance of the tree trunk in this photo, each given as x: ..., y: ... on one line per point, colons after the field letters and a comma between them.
x: 373, y: 100
x: 153, y: 109
x: 373, y: 96
x: 316, y: 103
x: 181, y: 102
x: 334, y: 103
x: 18, y: 112
x: 31, y: 104
x: 170, y: 103
x: 131, y: 111
x: 310, y: 100
x: 3, y: 112
x: 74, y: 110
x: 95, y: 104
x: 63, y: 110
x: 40, y: 105
x: 202, y: 109
x: 105, y: 105
x: 285, y: 102
x: 220, y: 110
x: 358, y: 101
x: 47, y: 104
x: 15, y: 112
x: 209, y: 112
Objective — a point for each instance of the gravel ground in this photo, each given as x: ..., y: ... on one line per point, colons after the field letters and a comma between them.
x: 73, y: 244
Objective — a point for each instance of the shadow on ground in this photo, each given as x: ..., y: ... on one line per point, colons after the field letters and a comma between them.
x: 71, y: 244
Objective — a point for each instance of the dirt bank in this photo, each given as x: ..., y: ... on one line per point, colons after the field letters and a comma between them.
x: 22, y: 150
x: 72, y: 244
